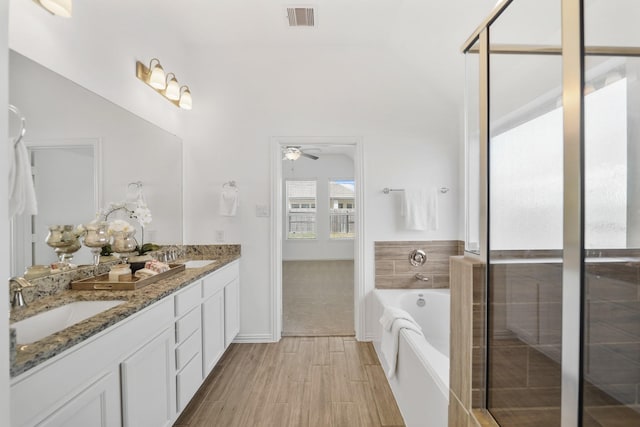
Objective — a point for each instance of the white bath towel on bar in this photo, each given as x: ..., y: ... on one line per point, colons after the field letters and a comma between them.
x: 22, y: 194
x: 420, y: 209
x: 390, y: 315
x: 229, y: 201
x: 391, y: 340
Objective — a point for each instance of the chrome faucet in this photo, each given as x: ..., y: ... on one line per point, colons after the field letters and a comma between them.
x: 16, y: 285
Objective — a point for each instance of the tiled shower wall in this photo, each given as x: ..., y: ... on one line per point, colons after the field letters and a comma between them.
x: 393, y: 270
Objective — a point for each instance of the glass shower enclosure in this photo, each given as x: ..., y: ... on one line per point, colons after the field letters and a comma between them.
x: 553, y: 209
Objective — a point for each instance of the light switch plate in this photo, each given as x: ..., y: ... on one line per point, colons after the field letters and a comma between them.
x: 262, y: 210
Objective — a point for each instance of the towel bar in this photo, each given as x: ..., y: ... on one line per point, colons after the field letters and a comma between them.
x: 387, y: 190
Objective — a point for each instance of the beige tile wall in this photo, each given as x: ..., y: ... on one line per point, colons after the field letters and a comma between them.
x: 393, y: 270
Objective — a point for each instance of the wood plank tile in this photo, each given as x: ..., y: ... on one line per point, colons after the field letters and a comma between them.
x: 366, y: 404
x: 354, y: 364
x: 340, y: 382
x: 336, y: 344
x: 306, y: 385
x: 300, y: 404
x: 289, y: 344
x: 345, y: 415
x: 385, y: 403
x: 367, y: 353
x: 320, y: 396
x: 321, y: 351
x: 208, y: 414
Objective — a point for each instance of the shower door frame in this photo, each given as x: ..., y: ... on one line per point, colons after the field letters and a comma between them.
x: 573, y: 53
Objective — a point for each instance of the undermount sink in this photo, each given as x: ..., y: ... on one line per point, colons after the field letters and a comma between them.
x: 41, y: 325
x: 199, y: 263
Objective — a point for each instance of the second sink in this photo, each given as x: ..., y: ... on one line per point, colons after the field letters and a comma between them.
x: 41, y: 325
x: 198, y: 263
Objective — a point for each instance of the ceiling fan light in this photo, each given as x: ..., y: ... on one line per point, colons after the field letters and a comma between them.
x: 61, y: 8
x: 292, y: 154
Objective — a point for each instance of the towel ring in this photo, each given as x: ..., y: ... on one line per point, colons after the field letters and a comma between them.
x: 23, y: 123
x: 229, y: 184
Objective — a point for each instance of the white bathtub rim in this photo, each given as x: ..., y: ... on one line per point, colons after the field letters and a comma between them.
x: 439, y: 372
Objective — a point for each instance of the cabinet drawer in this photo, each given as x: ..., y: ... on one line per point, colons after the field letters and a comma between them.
x: 187, y: 325
x: 187, y: 299
x: 218, y: 279
x: 188, y: 349
x: 188, y: 381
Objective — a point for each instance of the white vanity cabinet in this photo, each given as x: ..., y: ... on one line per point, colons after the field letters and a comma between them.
x: 212, y: 331
x: 81, y: 386
x: 221, y: 312
x: 148, y: 392
x: 231, y: 311
x: 140, y: 372
x: 188, y: 344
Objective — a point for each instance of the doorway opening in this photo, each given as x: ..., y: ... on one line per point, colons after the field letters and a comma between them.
x: 317, y: 237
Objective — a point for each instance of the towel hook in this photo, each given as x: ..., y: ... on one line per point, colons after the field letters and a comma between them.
x: 23, y: 123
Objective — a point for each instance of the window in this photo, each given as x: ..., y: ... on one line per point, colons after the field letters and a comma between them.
x: 341, y: 209
x: 527, y: 162
x: 301, y: 209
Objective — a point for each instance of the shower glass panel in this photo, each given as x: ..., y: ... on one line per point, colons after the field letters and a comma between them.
x: 525, y: 216
x: 611, y: 351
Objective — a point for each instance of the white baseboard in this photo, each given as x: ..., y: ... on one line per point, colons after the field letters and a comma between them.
x: 253, y: 338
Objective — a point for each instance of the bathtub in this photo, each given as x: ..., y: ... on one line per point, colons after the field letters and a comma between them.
x: 421, y: 383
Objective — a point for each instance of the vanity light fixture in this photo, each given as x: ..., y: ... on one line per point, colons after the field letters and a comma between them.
x: 172, y: 90
x: 57, y: 7
x: 165, y: 84
x: 185, y: 98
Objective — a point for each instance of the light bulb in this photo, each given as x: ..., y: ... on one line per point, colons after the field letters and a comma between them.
x: 185, y: 99
x: 173, y: 88
x: 58, y: 7
x: 157, y: 79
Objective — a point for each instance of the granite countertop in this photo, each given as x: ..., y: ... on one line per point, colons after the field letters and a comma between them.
x: 31, y: 355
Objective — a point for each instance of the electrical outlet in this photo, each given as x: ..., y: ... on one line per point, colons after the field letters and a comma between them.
x: 220, y: 236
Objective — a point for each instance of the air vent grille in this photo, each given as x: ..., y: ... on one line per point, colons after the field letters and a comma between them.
x: 301, y: 16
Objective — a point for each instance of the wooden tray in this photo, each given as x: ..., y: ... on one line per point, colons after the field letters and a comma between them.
x: 102, y: 282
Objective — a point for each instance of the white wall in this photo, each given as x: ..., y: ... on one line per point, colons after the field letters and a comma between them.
x: 4, y: 223
x: 251, y: 95
x: 327, y: 167
x: 98, y: 49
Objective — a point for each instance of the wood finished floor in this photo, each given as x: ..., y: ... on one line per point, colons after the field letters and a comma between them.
x: 298, y: 382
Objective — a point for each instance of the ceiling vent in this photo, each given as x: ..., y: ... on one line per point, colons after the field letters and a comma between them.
x: 301, y: 16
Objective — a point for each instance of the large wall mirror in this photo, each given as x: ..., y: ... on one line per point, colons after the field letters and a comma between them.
x: 86, y: 152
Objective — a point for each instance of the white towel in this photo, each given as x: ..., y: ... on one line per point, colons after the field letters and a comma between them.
x: 229, y: 202
x: 391, y: 340
x: 22, y: 194
x: 414, y: 209
x: 420, y: 209
x: 390, y: 315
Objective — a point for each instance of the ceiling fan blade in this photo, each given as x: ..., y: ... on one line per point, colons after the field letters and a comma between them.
x: 310, y: 156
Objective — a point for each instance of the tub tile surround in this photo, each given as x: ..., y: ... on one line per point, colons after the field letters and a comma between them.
x: 526, y: 338
x: 28, y: 356
x: 393, y: 270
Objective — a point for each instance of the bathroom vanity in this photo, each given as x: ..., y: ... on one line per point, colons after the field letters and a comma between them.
x: 137, y: 364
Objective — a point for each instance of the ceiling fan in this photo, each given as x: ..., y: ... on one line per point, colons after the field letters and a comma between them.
x: 292, y: 152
